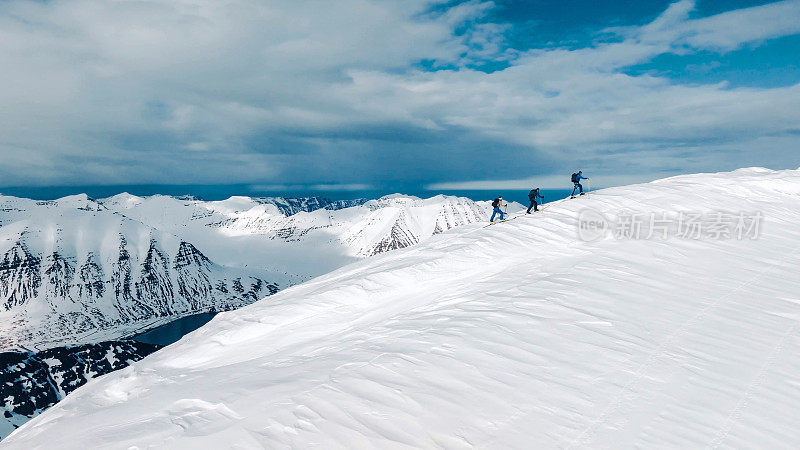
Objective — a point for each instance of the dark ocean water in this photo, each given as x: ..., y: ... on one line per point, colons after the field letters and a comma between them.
x: 172, y: 332
x: 221, y: 192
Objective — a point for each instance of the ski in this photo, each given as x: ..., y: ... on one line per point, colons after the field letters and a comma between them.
x: 496, y: 222
x: 500, y: 221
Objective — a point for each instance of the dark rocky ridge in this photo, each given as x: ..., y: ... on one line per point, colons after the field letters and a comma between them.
x: 19, y: 276
x: 292, y: 205
x: 32, y: 382
x: 91, y: 296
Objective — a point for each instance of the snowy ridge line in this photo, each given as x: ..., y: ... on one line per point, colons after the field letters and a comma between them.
x: 406, y: 253
x: 524, y: 336
x: 417, y: 248
x: 444, y: 242
x: 523, y: 214
x: 664, y: 346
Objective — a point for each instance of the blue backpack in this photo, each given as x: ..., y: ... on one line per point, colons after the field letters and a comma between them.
x: 575, y: 178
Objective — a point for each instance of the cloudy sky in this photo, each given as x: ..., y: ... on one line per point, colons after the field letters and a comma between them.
x: 394, y: 94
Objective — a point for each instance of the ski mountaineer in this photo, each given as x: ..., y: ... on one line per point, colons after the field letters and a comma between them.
x: 496, y: 204
x: 532, y: 196
x: 576, y: 180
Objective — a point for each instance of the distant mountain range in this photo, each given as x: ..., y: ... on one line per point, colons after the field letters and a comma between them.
x: 348, y: 228
x: 72, y: 272
x: 78, y: 271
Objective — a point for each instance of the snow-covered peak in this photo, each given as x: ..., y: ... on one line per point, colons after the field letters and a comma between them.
x: 123, y: 200
x: 78, y: 201
x: 516, y: 335
x: 233, y: 204
x: 398, y: 197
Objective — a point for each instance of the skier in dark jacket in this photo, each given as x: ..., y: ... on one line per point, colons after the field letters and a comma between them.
x: 532, y: 196
x: 576, y: 180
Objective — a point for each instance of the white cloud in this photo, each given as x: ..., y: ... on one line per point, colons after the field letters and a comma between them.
x: 310, y: 187
x: 730, y: 30
x: 186, y: 91
x: 595, y: 107
x: 726, y: 31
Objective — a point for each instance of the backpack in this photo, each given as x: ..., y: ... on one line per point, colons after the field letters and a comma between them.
x: 496, y: 203
x: 533, y: 194
x: 574, y: 178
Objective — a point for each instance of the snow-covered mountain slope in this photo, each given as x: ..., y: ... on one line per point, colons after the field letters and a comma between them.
x: 32, y: 382
x: 73, y: 272
x: 517, y: 335
x: 76, y: 271
x: 304, y: 237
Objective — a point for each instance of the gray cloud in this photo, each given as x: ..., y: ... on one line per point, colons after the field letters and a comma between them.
x: 286, y: 92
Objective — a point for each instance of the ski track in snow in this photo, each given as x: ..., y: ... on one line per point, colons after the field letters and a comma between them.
x: 511, y: 336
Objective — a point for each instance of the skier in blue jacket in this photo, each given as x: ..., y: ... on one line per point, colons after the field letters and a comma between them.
x: 496, y: 204
x: 576, y: 180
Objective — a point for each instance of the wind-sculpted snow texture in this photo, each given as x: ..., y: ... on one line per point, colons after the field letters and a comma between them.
x: 516, y: 335
x: 73, y: 272
x: 32, y: 382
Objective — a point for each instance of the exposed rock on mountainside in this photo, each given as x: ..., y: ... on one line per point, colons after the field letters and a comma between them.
x: 289, y: 206
x: 32, y: 382
x: 73, y: 272
x: 20, y: 277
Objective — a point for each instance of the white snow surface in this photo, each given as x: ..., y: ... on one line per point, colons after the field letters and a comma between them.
x: 516, y: 335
